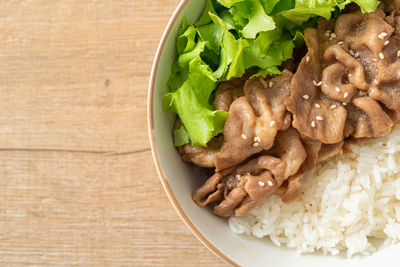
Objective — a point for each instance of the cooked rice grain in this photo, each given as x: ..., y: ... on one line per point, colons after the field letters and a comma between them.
x: 346, y: 202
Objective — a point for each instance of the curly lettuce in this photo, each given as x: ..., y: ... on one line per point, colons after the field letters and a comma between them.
x: 230, y: 37
x: 303, y: 10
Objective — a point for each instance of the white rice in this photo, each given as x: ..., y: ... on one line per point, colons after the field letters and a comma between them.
x: 347, y: 202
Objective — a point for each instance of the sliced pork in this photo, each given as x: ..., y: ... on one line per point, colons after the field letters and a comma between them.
x: 254, y: 120
x: 314, y: 114
x: 239, y: 189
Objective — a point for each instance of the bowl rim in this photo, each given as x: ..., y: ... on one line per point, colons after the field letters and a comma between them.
x: 150, y: 125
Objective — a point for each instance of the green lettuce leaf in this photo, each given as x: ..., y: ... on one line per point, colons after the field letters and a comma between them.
x: 186, y: 40
x: 229, y: 47
x: 205, y: 17
x: 229, y: 3
x: 266, y: 72
x: 192, y: 82
x: 212, y: 33
x: 237, y: 67
x: 177, y: 78
x: 304, y: 9
x: 267, y: 52
x: 269, y: 5
x: 227, y: 18
x: 367, y: 5
x: 191, y: 103
x: 283, y: 5
x: 250, y: 14
x: 181, y: 137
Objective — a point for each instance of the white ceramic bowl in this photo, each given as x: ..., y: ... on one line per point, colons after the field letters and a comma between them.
x: 180, y: 179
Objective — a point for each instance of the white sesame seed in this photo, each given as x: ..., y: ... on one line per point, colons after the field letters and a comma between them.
x: 374, y: 59
x: 375, y: 81
x: 327, y: 33
x: 333, y: 35
x: 256, y: 144
x: 313, y: 124
x: 351, y: 52
x: 319, y: 118
x: 340, y: 43
x: 257, y: 139
x: 319, y: 84
x: 386, y: 42
x: 317, y: 105
x: 270, y: 84
x: 306, y: 97
x: 381, y: 56
x: 382, y: 35
x: 270, y: 183
x: 314, y: 82
x: 244, y: 136
x: 261, y: 183
x: 346, y: 94
x: 356, y: 54
x: 344, y: 104
x: 337, y: 89
x: 238, y: 177
x: 398, y: 53
x: 272, y: 123
x: 307, y: 59
x: 333, y: 106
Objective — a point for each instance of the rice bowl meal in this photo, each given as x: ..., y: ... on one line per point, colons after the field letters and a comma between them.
x: 292, y: 109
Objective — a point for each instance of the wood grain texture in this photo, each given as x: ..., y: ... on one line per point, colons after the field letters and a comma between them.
x: 77, y: 182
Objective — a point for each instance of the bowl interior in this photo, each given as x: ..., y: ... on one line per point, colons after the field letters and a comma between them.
x: 181, y: 179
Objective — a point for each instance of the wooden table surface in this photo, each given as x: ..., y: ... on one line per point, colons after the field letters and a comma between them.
x: 77, y: 181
